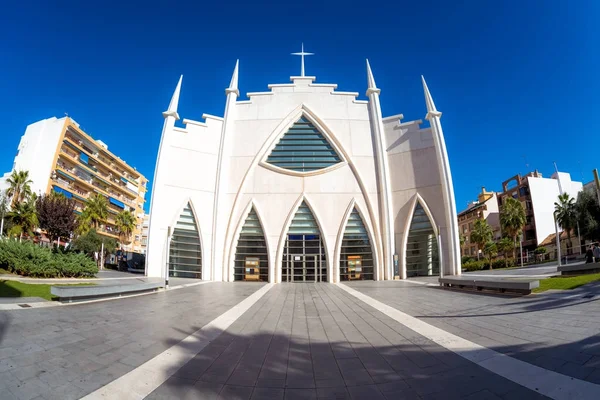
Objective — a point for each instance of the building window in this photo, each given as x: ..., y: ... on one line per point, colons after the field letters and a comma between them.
x: 303, y: 148
x: 523, y: 191
x: 251, y: 255
x: 470, y: 226
x: 185, y: 254
x: 528, y: 205
x: 356, y: 254
x: 473, y: 251
x: 530, y: 234
x: 515, y: 195
x: 421, y: 248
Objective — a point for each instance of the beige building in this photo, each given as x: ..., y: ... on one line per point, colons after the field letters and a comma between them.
x: 486, y: 207
x: 61, y: 157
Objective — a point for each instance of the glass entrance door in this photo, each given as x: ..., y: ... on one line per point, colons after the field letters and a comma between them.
x: 304, y: 259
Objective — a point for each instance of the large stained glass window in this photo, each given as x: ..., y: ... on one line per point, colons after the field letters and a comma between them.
x: 303, y: 148
x: 185, y: 251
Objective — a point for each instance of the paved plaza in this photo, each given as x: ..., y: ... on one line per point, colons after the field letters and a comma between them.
x: 307, y: 341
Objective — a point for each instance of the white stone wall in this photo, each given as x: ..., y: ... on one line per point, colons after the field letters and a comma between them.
x: 188, y: 169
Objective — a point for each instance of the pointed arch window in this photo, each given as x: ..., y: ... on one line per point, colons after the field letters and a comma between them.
x: 251, y: 255
x: 185, y: 250
x: 422, y: 255
x: 304, y: 257
x: 303, y: 148
x: 356, y: 254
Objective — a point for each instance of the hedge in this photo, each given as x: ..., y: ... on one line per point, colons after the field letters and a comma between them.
x: 484, y: 264
x: 28, y: 259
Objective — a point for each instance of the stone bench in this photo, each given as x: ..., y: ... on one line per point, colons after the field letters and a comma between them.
x: 502, y: 285
x: 579, y: 269
x: 75, y: 293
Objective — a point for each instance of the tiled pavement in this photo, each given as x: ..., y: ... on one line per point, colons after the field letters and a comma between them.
x: 556, y: 331
x: 307, y: 341
x: 66, y: 352
x: 299, y: 341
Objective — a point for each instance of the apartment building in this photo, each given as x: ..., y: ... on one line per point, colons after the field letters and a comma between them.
x: 145, y: 227
x: 61, y: 157
x: 538, y: 195
x: 486, y: 207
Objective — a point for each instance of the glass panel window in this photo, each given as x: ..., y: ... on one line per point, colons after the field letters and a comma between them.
x: 304, y: 258
x: 251, y: 256
x: 421, y: 248
x: 303, y: 148
x: 356, y: 255
x: 185, y: 252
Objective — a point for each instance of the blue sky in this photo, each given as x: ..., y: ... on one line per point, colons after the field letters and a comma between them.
x: 516, y: 80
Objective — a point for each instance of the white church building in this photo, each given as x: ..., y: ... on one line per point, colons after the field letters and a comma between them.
x: 302, y: 183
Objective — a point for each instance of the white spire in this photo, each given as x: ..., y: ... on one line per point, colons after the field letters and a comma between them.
x: 431, y: 110
x: 233, y: 85
x: 302, y: 54
x: 172, y: 110
x: 371, y: 86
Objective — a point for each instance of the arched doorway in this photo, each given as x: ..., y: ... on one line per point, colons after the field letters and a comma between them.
x: 251, y: 256
x: 304, y: 257
x: 356, y: 253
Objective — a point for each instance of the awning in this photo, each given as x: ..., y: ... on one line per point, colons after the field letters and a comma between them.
x: 83, y: 157
x: 116, y: 202
x: 60, y: 190
x: 101, y: 180
x: 124, y: 180
x: 58, y: 171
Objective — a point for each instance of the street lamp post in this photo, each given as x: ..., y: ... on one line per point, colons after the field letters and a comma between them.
x: 167, y: 258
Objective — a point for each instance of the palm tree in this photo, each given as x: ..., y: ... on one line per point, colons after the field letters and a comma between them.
x: 489, y: 251
x: 512, y: 220
x: 125, y: 223
x: 19, y: 186
x: 481, y: 233
x: 95, y: 211
x: 24, y: 218
x: 566, y: 215
x: 505, y: 245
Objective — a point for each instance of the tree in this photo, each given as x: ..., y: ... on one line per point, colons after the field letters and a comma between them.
x: 91, y: 243
x: 56, y: 215
x: 19, y: 186
x: 481, y: 233
x: 125, y: 223
x: 512, y: 220
x: 489, y: 251
x: 24, y: 218
x: 566, y: 216
x: 588, y: 215
x: 3, y: 210
x: 94, y: 213
x: 505, y: 245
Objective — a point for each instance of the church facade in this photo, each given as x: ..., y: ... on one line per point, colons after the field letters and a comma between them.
x: 302, y: 183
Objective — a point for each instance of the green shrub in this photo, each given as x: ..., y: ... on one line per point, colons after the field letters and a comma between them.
x: 474, y: 265
x: 28, y: 259
x: 466, y: 259
x: 501, y: 263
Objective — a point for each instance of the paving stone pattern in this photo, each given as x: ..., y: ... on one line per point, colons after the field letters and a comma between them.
x: 556, y: 331
x: 66, y: 352
x: 314, y: 341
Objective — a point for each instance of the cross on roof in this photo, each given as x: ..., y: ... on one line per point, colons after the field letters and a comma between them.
x: 302, y: 54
